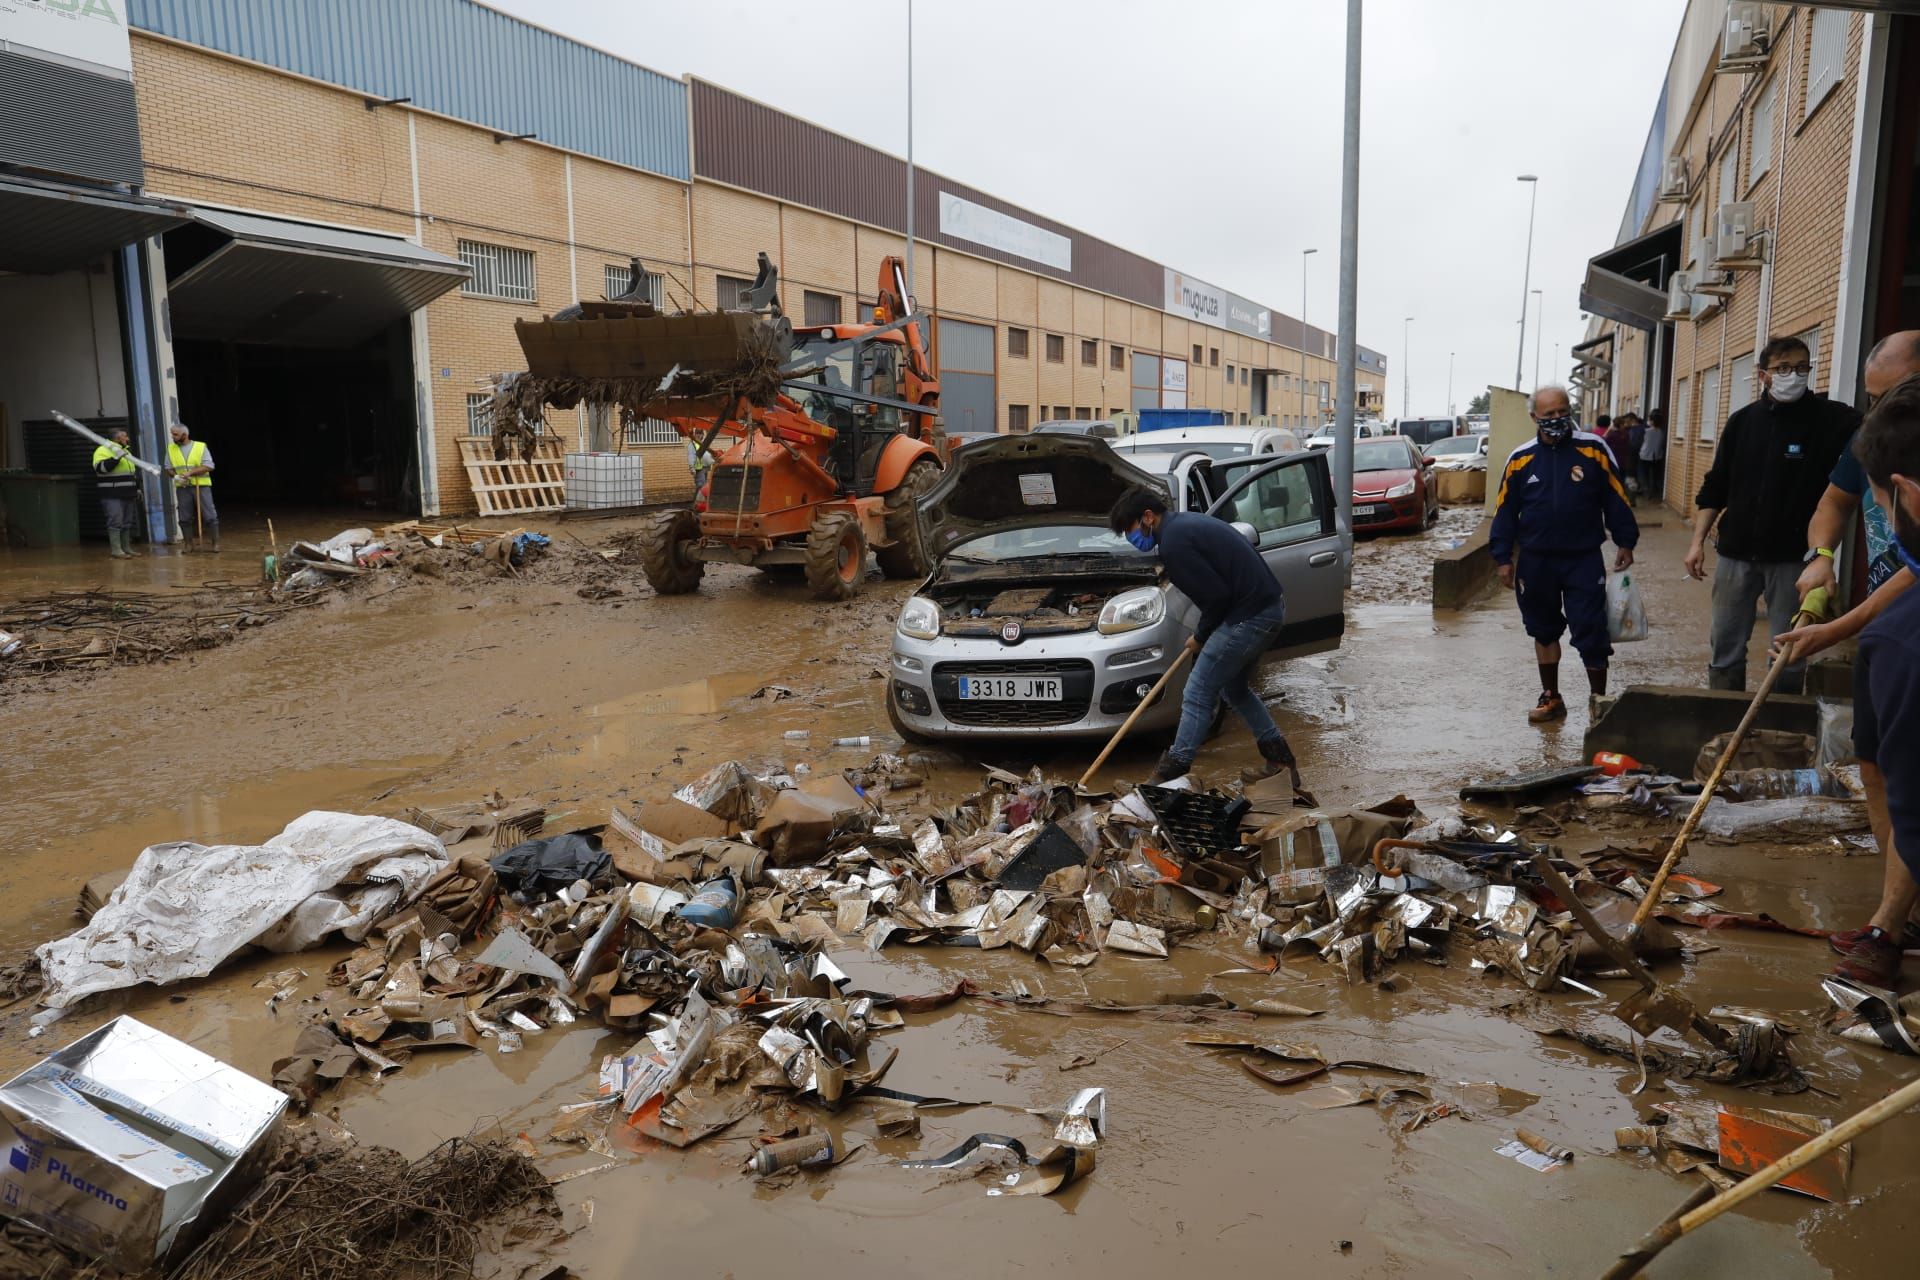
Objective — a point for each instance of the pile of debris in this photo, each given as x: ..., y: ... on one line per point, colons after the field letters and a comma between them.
x: 95, y: 629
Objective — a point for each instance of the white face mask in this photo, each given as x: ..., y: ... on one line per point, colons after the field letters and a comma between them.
x: 1788, y: 387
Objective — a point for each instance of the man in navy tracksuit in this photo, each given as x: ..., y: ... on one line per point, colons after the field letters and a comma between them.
x: 1560, y: 496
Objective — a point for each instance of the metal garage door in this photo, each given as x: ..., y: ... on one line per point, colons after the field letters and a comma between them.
x: 967, y: 401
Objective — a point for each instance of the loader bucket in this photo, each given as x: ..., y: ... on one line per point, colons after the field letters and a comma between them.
x: 713, y: 345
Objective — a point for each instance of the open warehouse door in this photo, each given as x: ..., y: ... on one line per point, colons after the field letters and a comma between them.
x: 294, y: 349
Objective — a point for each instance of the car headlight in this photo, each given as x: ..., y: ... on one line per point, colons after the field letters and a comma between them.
x: 1400, y: 490
x: 1131, y: 610
x: 920, y: 618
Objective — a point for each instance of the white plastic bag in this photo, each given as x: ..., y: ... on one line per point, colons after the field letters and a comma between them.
x: 1626, y: 611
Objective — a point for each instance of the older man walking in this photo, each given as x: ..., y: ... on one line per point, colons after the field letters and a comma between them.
x: 1560, y: 497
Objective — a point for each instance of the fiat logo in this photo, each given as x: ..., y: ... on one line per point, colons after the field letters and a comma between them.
x: 1010, y: 633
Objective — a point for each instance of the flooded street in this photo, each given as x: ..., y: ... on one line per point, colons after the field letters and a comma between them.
x: 436, y: 694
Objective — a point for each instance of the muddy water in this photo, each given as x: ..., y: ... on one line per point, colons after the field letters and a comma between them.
x: 432, y: 695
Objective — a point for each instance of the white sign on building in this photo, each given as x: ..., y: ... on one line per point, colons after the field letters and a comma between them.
x: 1210, y: 304
x: 91, y: 34
x: 965, y: 220
x: 1173, y: 384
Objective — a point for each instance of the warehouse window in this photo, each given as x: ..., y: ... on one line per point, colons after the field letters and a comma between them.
x: 498, y: 272
x: 1229, y: 375
x: 1760, y: 135
x: 1056, y: 349
x: 1116, y: 357
x: 1710, y: 404
x: 1243, y: 376
x: 1083, y: 415
x: 1017, y: 343
x: 1213, y: 356
x: 1089, y: 352
x: 820, y: 308
x: 618, y: 279
x: 1681, y: 402
x: 867, y: 312
x: 1826, y: 58
x: 1017, y: 420
x: 730, y: 293
x: 1196, y: 353
x: 1243, y: 419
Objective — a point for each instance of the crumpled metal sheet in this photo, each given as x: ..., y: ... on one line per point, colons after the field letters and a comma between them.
x: 1136, y: 939
x: 1083, y: 1121
x: 1868, y: 1015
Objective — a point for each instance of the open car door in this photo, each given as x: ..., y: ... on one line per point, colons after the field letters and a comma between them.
x: 1291, y: 507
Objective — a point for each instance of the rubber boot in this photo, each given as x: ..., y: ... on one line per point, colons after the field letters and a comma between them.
x: 1732, y: 679
x: 113, y: 545
x: 1169, y: 767
x: 213, y: 534
x: 1277, y: 755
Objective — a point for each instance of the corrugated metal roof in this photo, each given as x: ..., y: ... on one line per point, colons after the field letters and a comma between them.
x: 54, y: 228
x: 295, y: 283
x: 455, y: 57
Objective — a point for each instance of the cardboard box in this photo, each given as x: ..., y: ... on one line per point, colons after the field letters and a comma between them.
x: 128, y: 1145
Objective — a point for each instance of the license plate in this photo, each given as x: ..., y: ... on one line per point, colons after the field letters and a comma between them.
x: 1010, y: 688
x: 1376, y: 511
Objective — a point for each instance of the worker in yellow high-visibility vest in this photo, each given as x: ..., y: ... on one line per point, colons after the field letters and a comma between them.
x: 119, y: 492
x: 190, y: 463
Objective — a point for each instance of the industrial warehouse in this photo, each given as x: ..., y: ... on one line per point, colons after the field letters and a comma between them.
x: 308, y: 238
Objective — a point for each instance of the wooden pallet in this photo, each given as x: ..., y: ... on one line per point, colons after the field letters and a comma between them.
x: 514, y: 487
x: 449, y: 534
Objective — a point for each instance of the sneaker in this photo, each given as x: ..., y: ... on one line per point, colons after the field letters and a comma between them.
x: 1550, y: 707
x: 1873, y: 959
x: 1845, y: 940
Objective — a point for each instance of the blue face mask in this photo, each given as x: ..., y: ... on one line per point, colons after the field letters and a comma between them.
x: 1142, y: 540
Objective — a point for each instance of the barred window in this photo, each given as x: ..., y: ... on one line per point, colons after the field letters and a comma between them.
x: 1017, y: 342
x: 1089, y: 352
x: 820, y: 308
x: 1116, y: 357
x: 1017, y: 419
x: 620, y: 279
x: 633, y: 431
x: 498, y: 272
x: 1056, y: 349
x: 480, y: 416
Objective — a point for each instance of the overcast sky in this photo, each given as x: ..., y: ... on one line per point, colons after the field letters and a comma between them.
x: 1205, y: 134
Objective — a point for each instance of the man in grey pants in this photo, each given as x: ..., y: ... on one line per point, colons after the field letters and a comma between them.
x: 1767, y: 477
x: 190, y: 463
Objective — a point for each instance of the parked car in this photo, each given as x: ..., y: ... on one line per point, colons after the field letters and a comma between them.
x: 1366, y: 429
x: 1478, y: 424
x: 1392, y: 486
x: 1099, y: 428
x: 1037, y: 620
x: 1456, y: 447
x: 1424, y: 431
x: 1215, y: 442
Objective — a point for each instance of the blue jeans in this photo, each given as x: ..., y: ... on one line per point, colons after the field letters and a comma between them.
x: 1220, y: 671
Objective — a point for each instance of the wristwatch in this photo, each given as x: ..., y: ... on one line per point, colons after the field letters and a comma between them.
x: 1818, y: 551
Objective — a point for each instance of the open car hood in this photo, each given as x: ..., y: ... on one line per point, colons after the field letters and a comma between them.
x: 1021, y: 482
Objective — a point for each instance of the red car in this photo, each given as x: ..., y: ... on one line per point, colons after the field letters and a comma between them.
x: 1392, y: 486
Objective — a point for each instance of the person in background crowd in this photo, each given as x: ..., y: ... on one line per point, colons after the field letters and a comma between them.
x: 1559, y: 497
x: 119, y: 489
x: 1619, y: 438
x: 1894, y: 358
x: 1652, y: 455
x: 1766, y: 479
x: 1886, y: 692
x: 190, y: 463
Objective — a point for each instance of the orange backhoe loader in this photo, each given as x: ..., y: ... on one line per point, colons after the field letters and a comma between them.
x: 822, y: 437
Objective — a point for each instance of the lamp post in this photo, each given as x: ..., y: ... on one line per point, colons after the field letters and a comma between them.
x: 1450, y: 412
x: 1304, y: 255
x: 1406, y: 374
x: 1526, y: 275
x: 908, y: 300
x: 1539, y: 332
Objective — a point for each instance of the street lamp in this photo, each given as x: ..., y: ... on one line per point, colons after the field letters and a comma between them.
x: 1526, y: 276
x: 1304, y: 255
x: 1406, y: 373
x: 1539, y: 332
x: 1450, y: 356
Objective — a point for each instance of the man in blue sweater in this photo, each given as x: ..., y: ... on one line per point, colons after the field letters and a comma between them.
x: 1886, y: 689
x: 1241, y: 609
x: 1560, y: 495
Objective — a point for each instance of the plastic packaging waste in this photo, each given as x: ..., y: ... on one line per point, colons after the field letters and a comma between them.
x: 1836, y: 728
x: 9, y: 644
x: 1769, y: 784
x: 712, y: 906
x: 1626, y: 611
x: 797, y: 735
x: 862, y: 741
x: 1790, y: 815
x: 1615, y: 763
x: 803, y: 1152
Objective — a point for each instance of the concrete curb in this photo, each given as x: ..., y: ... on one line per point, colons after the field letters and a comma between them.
x: 1461, y: 575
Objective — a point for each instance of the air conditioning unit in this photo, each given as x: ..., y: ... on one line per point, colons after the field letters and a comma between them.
x: 1734, y: 243
x: 1679, y: 297
x: 1673, y: 179
x: 1746, y: 37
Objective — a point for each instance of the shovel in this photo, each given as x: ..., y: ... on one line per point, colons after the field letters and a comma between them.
x: 1152, y: 697
x: 1659, y: 884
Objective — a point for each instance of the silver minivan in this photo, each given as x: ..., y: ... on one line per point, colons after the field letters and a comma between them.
x: 1037, y: 619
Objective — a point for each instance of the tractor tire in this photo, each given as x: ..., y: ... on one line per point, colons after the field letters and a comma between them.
x: 836, y: 557
x: 670, y: 570
x: 908, y: 557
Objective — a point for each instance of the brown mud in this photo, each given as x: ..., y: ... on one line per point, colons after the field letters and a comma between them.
x: 440, y: 693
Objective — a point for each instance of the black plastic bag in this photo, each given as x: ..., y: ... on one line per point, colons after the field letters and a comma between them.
x: 549, y: 865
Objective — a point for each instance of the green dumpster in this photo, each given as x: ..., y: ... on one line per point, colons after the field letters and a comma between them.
x: 41, y: 510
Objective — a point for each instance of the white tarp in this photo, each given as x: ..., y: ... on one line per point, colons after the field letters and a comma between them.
x: 186, y: 907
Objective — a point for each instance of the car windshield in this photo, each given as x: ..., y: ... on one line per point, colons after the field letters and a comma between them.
x: 1381, y: 455
x: 1455, y: 444
x: 1063, y: 429
x: 1213, y: 449
x: 1042, y: 540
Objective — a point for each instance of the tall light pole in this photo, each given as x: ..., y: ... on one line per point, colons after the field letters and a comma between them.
x: 908, y: 300
x: 1539, y: 332
x: 1304, y: 255
x: 1526, y: 276
x: 1406, y: 371
x: 1345, y: 378
x: 1450, y: 412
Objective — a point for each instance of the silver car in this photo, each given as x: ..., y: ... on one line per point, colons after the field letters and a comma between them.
x: 1037, y: 619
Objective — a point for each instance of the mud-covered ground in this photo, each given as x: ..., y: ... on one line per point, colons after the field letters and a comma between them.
x: 378, y: 700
